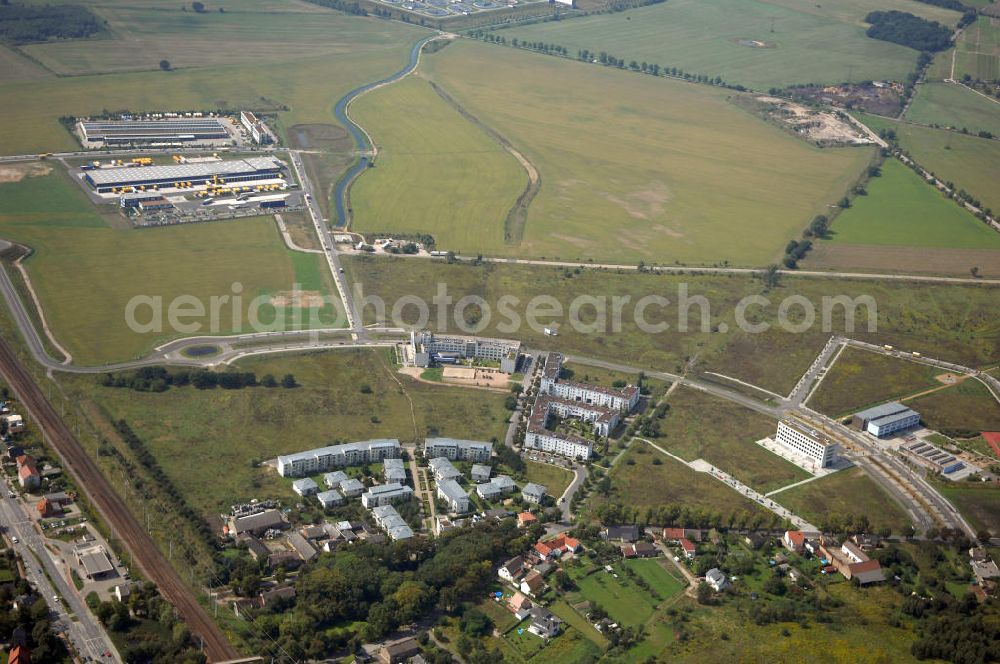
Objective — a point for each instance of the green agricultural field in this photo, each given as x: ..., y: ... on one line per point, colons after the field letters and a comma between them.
x: 966, y: 407
x: 237, y: 37
x: 305, y: 45
x: 240, y: 428
x: 979, y: 503
x: 844, y: 493
x: 902, y: 209
x: 639, y: 483
x: 637, y: 169
x: 979, y: 50
x: 436, y: 171
x: 701, y: 426
x: 16, y: 67
x: 862, y: 378
x: 796, y: 43
x: 85, y: 271
x: 945, y: 321
x: 951, y: 105
x: 968, y: 161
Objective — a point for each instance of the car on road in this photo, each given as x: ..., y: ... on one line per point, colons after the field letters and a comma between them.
x: 15, y: 540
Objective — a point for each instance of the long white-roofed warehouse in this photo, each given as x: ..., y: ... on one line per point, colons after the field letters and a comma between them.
x: 149, y: 132
x: 191, y: 174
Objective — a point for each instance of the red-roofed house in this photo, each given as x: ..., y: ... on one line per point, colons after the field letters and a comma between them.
x: 25, y: 460
x: 688, y: 547
x: 18, y: 655
x: 794, y: 540
x: 525, y: 519
x: 557, y: 547
x: 520, y: 605
x: 673, y: 534
x: 45, y: 508
x: 28, y: 477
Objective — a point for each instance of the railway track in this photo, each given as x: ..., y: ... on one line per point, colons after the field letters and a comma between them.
x: 112, y: 508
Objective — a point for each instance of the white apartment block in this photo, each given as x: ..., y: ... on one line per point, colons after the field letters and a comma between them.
x: 567, y: 446
x: 806, y: 442
x: 442, y: 469
x: 624, y: 399
x: 386, y: 494
x: 452, y: 493
x: 429, y: 348
x: 458, y: 450
x: 322, y: 459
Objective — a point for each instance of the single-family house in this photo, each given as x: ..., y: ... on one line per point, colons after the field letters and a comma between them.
x: 512, y: 570
x: 481, y: 473
x: 688, y: 547
x: 525, y: 519
x: 305, y: 486
x: 716, y: 579
x: 621, y: 533
x: 794, y: 540
x: 533, y: 493
x: 520, y: 605
x: 544, y: 623
x: 532, y: 583
x: 399, y: 652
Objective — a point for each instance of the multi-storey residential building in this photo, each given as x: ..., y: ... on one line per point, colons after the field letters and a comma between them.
x: 452, y: 493
x: 458, y: 450
x: 428, y: 349
x: 442, y: 469
x: 321, y: 459
x: 386, y: 494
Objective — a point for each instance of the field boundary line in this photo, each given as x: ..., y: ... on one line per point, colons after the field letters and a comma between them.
x: 41, y: 313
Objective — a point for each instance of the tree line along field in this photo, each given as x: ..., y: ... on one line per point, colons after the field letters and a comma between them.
x: 676, y: 174
x: 968, y: 161
x: 905, y: 224
x: 944, y: 321
x: 798, y: 43
x: 861, y: 378
x: 436, y: 172
x: 85, y: 270
x: 224, y: 70
x: 702, y: 426
x: 237, y: 429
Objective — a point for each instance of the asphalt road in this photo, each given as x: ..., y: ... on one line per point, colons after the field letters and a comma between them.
x: 84, y: 632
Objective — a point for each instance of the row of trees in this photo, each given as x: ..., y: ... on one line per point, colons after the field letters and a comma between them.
x: 160, y: 379
x: 33, y: 23
x: 674, y: 514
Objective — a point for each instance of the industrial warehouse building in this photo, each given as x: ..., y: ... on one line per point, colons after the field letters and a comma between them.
x: 110, y: 180
x: 806, y: 442
x: 889, y: 418
x: 322, y: 459
x: 168, y: 131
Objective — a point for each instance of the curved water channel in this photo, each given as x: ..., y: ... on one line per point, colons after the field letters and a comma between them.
x: 358, y: 134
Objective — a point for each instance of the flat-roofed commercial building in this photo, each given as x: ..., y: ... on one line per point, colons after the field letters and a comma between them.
x: 106, y: 180
x: 429, y: 348
x: 322, y: 459
x: 168, y: 131
x: 887, y: 419
x: 804, y: 441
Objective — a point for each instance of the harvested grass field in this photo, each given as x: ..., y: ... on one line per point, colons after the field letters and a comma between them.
x: 943, y: 321
x: 968, y: 161
x: 304, y: 44
x: 968, y: 405
x: 85, y: 271
x: 644, y: 484
x: 802, y: 43
x: 241, y: 427
x: 16, y: 67
x: 901, y: 209
x: 633, y: 168
x: 843, y: 493
x: 701, y: 426
x: 436, y: 172
x: 951, y: 105
x: 553, y: 478
x: 861, y: 378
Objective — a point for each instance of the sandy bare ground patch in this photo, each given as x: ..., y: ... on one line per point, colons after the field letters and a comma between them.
x: 823, y: 127
x: 948, y: 378
x: 17, y: 172
x: 298, y: 299
x: 476, y: 377
x: 912, y: 260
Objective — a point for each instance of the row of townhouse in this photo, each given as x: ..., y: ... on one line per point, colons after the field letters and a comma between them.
x: 321, y: 459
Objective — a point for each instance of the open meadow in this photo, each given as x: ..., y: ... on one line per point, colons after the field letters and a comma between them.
x: 964, y: 409
x: 860, y: 379
x: 701, y: 426
x: 844, y: 494
x: 952, y: 105
x: 85, y: 268
x: 436, y: 172
x: 756, y: 43
x: 978, y: 53
x: 632, y: 168
x: 217, y: 61
x: 979, y: 503
x: 237, y: 429
x: 944, y: 321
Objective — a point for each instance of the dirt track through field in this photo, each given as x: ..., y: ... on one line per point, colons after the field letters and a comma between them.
x: 111, y: 507
x: 517, y: 216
